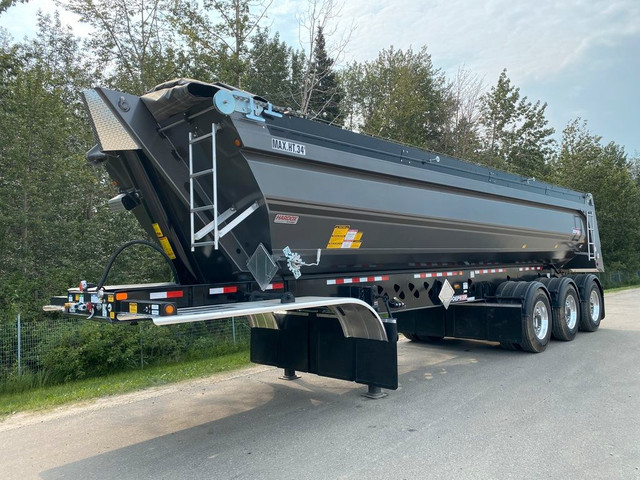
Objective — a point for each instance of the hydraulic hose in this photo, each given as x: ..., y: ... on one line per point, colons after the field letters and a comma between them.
x: 119, y: 250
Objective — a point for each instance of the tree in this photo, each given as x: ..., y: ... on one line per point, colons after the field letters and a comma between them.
x: 584, y: 164
x: 41, y: 127
x: 324, y: 100
x: 462, y: 136
x: 132, y: 40
x: 220, y: 43
x: 269, y: 74
x: 315, y: 78
x: 516, y: 137
x: 55, y: 226
x: 5, y: 4
x: 403, y: 97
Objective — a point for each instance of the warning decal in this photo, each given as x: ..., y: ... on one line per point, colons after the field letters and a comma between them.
x: 164, y: 241
x: 166, y: 246
x: 343, y: 236
x: 156, y: 228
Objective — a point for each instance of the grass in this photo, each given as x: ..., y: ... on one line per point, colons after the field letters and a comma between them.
x: 44, y: 398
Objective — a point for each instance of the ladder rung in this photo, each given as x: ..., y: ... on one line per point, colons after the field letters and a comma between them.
x: 200, y: 138
x: 208, y: 171
x: 202, y: 209
x: 203, y: 244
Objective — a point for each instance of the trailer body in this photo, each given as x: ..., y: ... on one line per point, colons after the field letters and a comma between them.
x: 331, y: 241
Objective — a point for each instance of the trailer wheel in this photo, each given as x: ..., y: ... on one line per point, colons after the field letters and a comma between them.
x: 592, y: 307
x: 536, y: 311
x: 537, y: 321
x: 566, y: 316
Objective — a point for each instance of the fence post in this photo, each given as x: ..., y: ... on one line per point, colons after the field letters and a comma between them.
x: 233, y: 329
x: 19, y: 348
x: 141, y: 354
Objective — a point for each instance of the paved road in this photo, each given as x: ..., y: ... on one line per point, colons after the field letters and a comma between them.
x: 464, y: 410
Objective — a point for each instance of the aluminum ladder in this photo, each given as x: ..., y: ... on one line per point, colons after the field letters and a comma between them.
x: 591, y: 244
x: 195, y: 177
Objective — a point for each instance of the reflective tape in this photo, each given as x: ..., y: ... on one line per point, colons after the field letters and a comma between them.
x: 219, y: 290
x: 344, y: 281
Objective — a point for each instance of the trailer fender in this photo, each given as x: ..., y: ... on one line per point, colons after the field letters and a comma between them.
x: 357, y: 318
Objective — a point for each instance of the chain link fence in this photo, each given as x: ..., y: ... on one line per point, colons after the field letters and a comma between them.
x: 619, y: 279
x: 62, y: 349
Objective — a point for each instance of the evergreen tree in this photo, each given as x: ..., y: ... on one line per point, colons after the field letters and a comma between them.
x: 326, y: 95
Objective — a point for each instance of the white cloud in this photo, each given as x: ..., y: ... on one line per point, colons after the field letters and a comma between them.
x: 530, y: 38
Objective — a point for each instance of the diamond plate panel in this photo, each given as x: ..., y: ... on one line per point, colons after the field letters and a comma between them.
x: 110, y: 132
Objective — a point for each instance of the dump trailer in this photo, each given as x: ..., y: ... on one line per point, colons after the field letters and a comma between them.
x: 332, y: 242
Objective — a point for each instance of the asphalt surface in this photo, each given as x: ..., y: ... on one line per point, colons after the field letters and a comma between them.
x: 464, y: 410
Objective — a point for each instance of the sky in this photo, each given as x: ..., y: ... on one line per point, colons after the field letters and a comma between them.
x: 581, y: 57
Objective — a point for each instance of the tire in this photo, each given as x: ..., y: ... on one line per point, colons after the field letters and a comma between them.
x: 592, y: 306
x: 566, y: 315
x: 537, y: 314
x: 537, y: 320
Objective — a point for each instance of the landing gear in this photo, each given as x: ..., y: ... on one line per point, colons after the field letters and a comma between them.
x: 289, y: 374
x: 374, y: 393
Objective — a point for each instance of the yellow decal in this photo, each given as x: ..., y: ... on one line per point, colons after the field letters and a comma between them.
x: 166, y: 246
x: 156, y: 227
x: 112, y: 315
x: 133, y: 308
x: 110, y: 298
x: 340, y: 230
x: 343, y: 236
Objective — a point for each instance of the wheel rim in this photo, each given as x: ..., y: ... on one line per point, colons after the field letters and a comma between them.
x: 540, y: 320
x: 571, y: 311
x: 594, y: 306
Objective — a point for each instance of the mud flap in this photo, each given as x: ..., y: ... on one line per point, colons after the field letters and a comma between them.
x: 314, y: 343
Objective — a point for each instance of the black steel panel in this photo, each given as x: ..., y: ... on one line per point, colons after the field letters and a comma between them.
x: 427, y: 321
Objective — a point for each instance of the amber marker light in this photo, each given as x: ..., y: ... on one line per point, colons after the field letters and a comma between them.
x: 237, y: 142
x: 122, y: 296
x: 169, y: 309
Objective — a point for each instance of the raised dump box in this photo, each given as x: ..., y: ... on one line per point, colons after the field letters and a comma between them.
x: 332, y: 241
